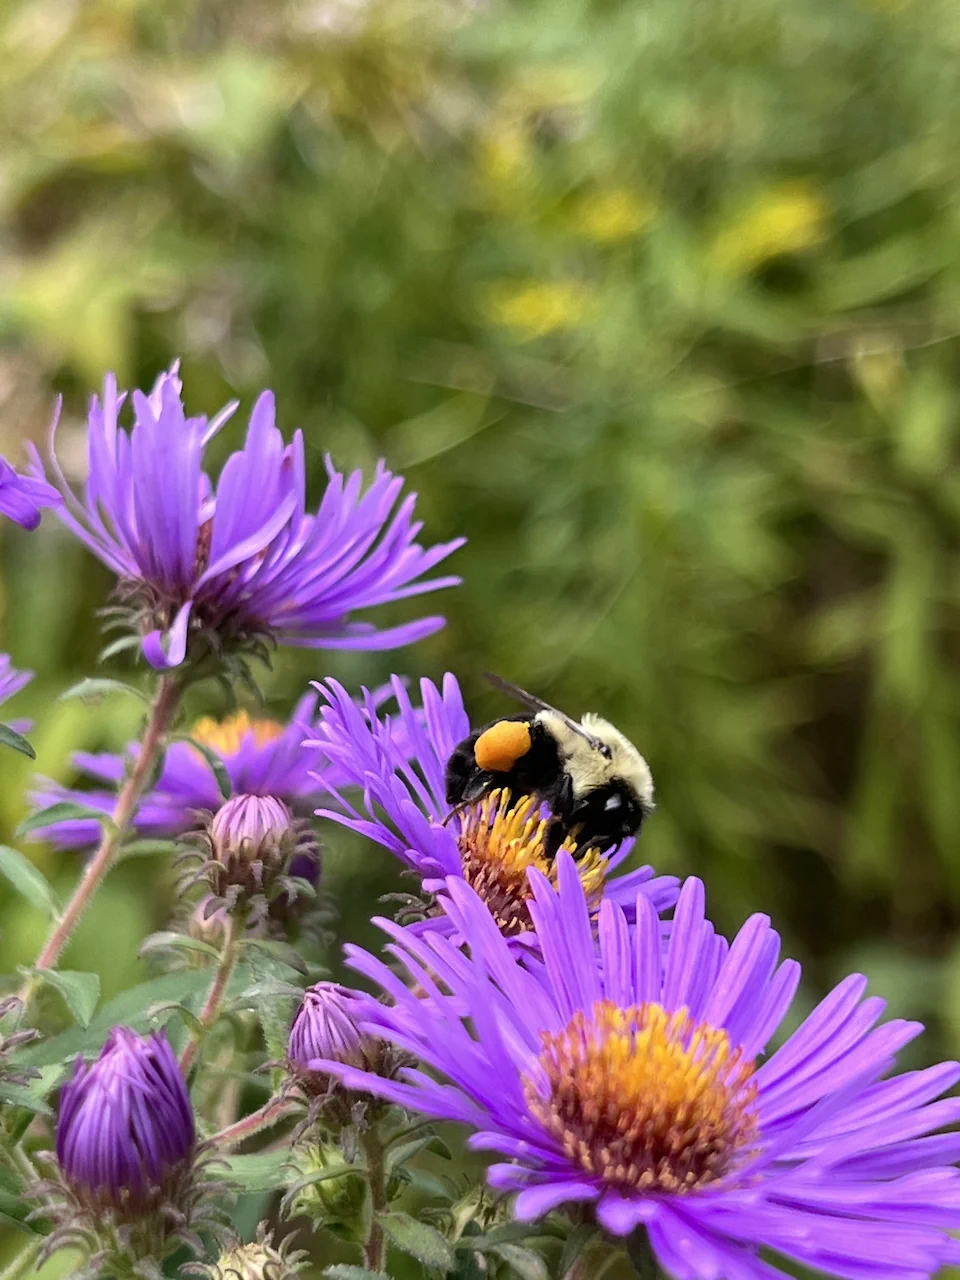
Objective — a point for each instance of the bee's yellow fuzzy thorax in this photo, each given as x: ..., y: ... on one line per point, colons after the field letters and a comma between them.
x: 645, y: 1099
x: 499, y: 842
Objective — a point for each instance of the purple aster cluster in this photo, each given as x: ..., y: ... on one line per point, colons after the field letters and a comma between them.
x: 23, y: 497
x: 387, y: 780
x: 638, y: 1079
x: 229, y: 564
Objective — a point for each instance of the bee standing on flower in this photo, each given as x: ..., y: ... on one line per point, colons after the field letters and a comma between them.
x: 596, y: 784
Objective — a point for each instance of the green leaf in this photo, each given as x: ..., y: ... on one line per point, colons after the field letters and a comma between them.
x: 28, y: 880
x: 527, y: 1264
x: 147, y: 849
x: 80, y: 991
x: 508, y: 1233
x: 131, y: 1009
x: 421, y: 1241
x: 119, y: 646
x: 399, y: 1155
x: 10, y: 738
x: 277, y: 950
x: 213, y: 760
x: 347, y: 1271
x: 95, y: 689
x: 574, y: 1245
x: 167, y: 940
x: 15, y: 1095
x: 262, y: 1171
x: 64, y: 811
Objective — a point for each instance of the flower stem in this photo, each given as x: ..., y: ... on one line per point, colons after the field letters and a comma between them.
x: 218, y: 987
x: 161, y: 714
x: 375, y: 1250
x: 269, y: 1114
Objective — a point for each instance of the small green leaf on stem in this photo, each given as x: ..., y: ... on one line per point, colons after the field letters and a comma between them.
x: 347, y: 1271
x: 80, y: 991
x: 95, y: 689
x: 527, y: 1264
x: 420, y: 1240
x: 167, y: 940
x: 217, y: 766
x: 10, y: 738
x: 64, y: 811
x: 28, y: 880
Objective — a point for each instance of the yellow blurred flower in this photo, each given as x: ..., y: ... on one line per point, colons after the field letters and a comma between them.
x: 506, y: 155
x: 787, y: 218
x: 533, y: 308
x: 616, y: 214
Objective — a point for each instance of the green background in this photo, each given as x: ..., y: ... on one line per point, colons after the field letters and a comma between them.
x: 658, y: 302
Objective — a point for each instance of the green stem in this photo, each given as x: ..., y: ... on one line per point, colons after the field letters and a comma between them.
x: 218, y: 988
x: 375, y: 1250
x: 158, y: 722
x: 22, y: 1264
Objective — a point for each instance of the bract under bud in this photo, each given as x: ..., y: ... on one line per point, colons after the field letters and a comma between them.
x: 338, y: 1203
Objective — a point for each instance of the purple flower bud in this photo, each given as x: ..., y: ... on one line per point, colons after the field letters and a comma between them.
x: 325, y: 1028
x: 244, y: 824
x: 125, y: 1132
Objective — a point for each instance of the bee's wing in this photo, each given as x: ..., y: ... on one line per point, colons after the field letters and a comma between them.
x: 533, y: 703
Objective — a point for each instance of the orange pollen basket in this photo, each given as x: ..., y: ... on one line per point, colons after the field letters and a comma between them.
x: 499, y: 842
x: 644, y: 1099
x: 227, y: 736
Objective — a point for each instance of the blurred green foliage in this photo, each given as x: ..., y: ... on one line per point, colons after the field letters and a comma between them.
x: 658, y: 302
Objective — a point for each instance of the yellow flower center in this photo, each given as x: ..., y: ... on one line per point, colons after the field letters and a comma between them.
x: 645, y: 1099
x: 499, y: 842
x: 226, y: 736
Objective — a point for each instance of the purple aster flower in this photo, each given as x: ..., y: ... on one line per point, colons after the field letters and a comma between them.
x: 125, y: 1129
x: 635, y: 1078
x: 227, y: 565
x: 262, y: 757
x: 21, y: 497
x: 398, y: 764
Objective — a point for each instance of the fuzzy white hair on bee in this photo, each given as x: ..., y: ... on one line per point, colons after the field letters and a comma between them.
x: 596, y: 753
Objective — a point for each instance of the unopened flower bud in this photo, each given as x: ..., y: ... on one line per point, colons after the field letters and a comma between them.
x: 338, y: 1203
x: 325, y: 1027
x: 125, y: 1132
x: 253, y: 841
x: 207, y: 923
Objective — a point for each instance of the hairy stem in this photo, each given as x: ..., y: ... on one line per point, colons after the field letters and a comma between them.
x: 161, y: 714
x: 375, y: 1250
x: 269, y: 1114
x: 218, y: 987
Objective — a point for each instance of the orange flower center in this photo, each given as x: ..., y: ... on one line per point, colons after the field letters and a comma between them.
x: 645, y: 1099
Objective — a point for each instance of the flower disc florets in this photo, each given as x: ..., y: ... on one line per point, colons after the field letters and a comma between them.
x: 258, y: 1260
x: 500, y: 841
x: 644, y: 1099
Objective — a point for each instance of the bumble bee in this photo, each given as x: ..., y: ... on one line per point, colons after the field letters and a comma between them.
x: 595, y: 782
